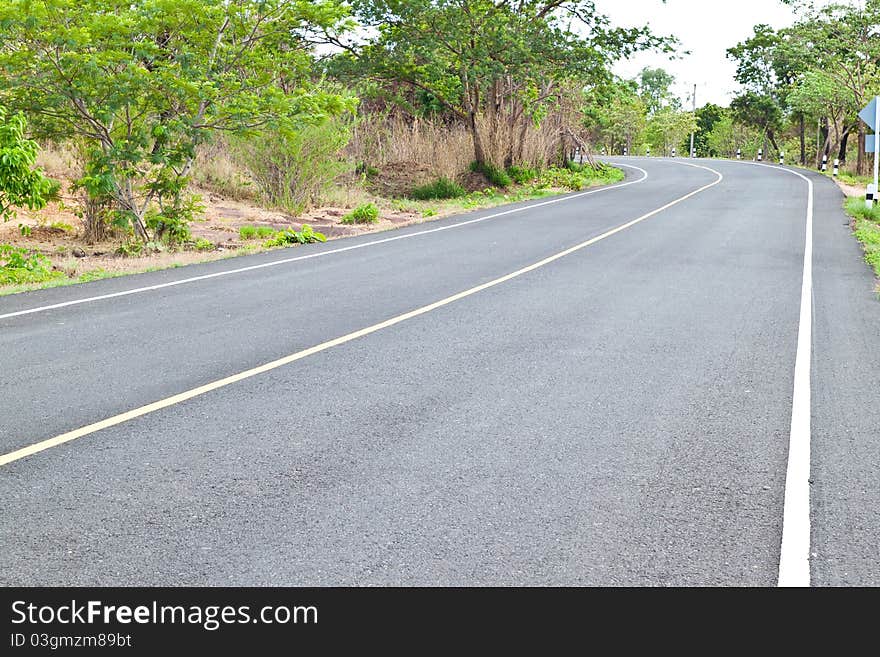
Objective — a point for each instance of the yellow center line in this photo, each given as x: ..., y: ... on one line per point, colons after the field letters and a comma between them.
x: 67, y: 437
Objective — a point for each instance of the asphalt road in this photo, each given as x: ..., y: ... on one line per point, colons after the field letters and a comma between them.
x: 617, y: 415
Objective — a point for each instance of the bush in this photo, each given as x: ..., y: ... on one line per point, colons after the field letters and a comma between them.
x: 292, y: 169
x: 522, y: 175
x: 202, y: 244
x: 367, y: 213
x: 18, y: 265
x: 442, y: 188
x: 494, y: 175
x: 251, y: 232
x: 303, y: 236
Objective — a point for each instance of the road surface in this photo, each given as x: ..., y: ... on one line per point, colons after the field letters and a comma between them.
x: 597, y: 390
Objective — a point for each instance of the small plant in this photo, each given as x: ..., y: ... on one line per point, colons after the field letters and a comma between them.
x: 202, y: 244
x: 18, y: 265
x: 303, y: 236
x: 429, y: 212
x: 494, y: 175
x: 130, y: 248
x: 442, y: 188
x: 522, y: 175
x: 25, y: 230
x: 251, y: 232
x: 367, y: 213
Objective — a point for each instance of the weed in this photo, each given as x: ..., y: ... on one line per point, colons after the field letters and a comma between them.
x: 522, y: 175
x: 18, y: 265
x: 367, y: 213
x: 201, y: 244
x: 441, y: 188
x: 494, y: 175
x: 303, y: 236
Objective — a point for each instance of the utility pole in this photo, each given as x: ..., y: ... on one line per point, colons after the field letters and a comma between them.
x: 694, y: 106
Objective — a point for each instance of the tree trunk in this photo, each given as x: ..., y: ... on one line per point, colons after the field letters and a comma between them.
x: 841, y: 152
x: 802, y: 136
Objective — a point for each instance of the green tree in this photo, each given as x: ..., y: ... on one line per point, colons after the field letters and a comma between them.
x: 21, y: 183
x: 707, y: 116
x: 655, y: 88
x: 143, y: 83
x: 667, y: 128
x: 495, y: 65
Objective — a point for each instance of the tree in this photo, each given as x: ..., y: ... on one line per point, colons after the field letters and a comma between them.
x: 727, y: 135
x: 707, y: 116
x: 668, y: 127
x: 655, y: 88
x: 144, y: 83
x: 496, y: 65
x: 21, y: 183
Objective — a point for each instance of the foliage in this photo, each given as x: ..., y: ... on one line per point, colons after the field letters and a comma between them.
x: 251, y: 232
x: 21, y: 183
x: 367, y: 213
x: 18, y: 265
x: 667, y: 128
x: 203, y: 244
x: 494, y: 66
x: 495, y: 175
x: 575, y: 178
x: 522, y: 175
x: 292, y: 168
x: 655, y: 90
x: 439, y: 189
x: 867, y: 229
x: 304, y: 235
x: 144, y: 83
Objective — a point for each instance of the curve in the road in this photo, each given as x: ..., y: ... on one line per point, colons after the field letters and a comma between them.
x: 321, y: 254
x: 69, y: 436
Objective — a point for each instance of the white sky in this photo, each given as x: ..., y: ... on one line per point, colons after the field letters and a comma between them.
x: 706, y: 28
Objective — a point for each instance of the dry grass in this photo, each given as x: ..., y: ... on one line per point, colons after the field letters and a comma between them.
x: 216, y: 170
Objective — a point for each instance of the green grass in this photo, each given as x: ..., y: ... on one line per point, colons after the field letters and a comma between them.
x: 442, y: 188
x: 867, y: 229
x: 252, y: 232
x: 495, y: 175
x: 366, y: 213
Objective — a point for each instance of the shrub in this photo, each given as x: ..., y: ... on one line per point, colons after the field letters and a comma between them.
x: 18, y: 265
x: 303, y: 236
x: 522, y: 175
x: 202, y: 244
x: 442, y: 188
x: 251, y: 232
x: 367, y: 213
x: 494, y: 175
x: 292, y: 169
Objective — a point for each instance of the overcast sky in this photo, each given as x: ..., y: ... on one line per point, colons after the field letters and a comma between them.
x: 706, y: 28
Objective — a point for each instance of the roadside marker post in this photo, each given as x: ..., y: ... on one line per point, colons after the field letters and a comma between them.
x: 673, y: 151
x: 836, y: 169
x: 693, y: 154
x: 781, y: 159
x: 739, y: 154
x: 648, y: 151
x: 760, y: 154
x: 870, y: 195
x: 824, y: 162
x: 624, y: 150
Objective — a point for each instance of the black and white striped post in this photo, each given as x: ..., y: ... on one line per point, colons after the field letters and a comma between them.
x: 824, y: 162
x: 836, y: 169
x: 781, y: 158
x: 870, y: 196
x: 739, y: 154
x: 624, y: 150
x: 694, y: 153
x: 647, y: 151
x: 673, y: 151
x: 760, y: 154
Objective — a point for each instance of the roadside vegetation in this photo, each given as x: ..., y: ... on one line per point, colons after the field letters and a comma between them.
x: 866, y: 225
x: 138, y: 135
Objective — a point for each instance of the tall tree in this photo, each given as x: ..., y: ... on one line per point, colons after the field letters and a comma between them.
x: 496, y: 65
x: 143, y: 83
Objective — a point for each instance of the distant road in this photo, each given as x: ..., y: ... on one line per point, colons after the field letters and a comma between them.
x: 593, y: 390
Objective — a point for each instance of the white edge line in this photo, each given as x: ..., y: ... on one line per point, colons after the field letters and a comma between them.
x: 321, y: 254
x: 794, y: 551
x: 43, y: 445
